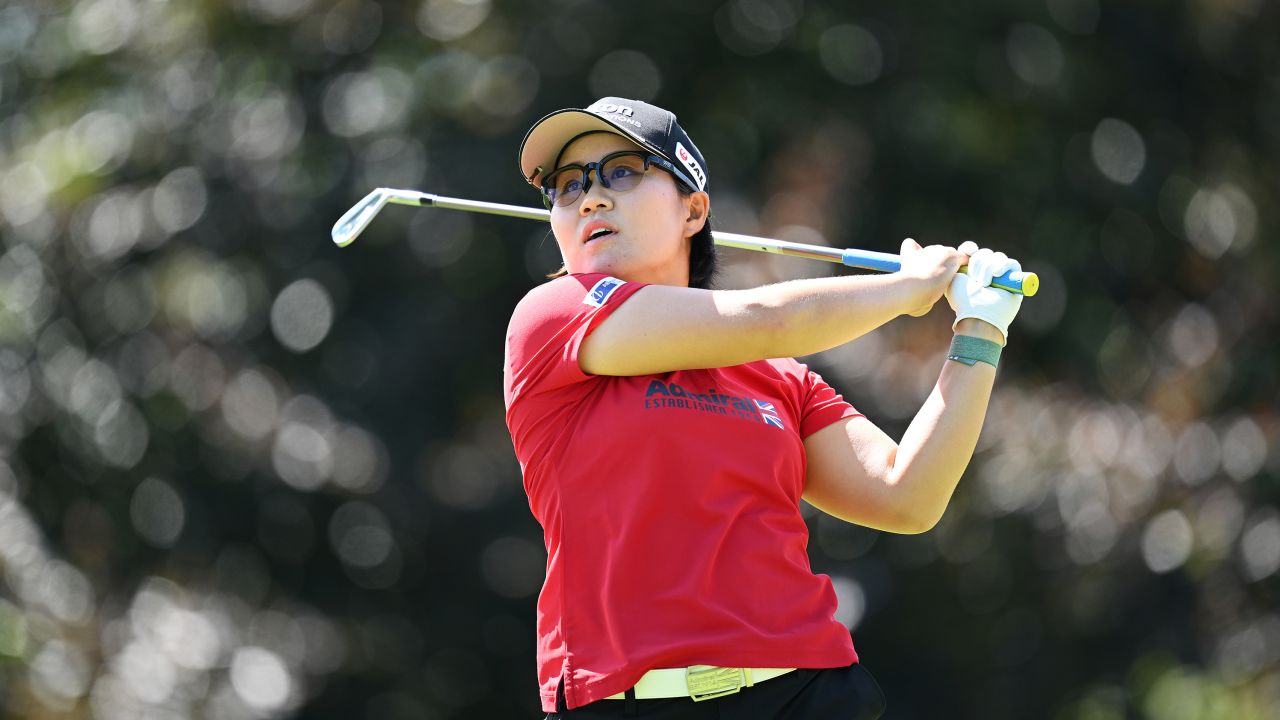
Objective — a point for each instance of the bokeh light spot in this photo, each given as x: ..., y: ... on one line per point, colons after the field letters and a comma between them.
x: 514, y: 567
x: 360, y: 460
x: 121, y: 435
x: 625, y: 73
x: 260, y: 678
x: 359, y: 103
x: 851, y: 601
x: 754, y: 27
x: 1034, y: 54
x: 851, y: 54
x: 179, y: 199
x: 302, y: 315
x: 148, y: 674
x: 250, y: 405
x: 1260, y: 545
x: 60, y: 673
x: 1118, y: 151
x: 1076, y: 16
x: 360, y: 535
x: 1166, y: 541
x: 103, y: 26
x: 1197, y: 454
x: 446, y: 20
x: 302, y: 455
x: 1244, y: 449
x: 1220, y: 219
x: 1193, y: 335
x: 158, y: 512
x: 505, y: 86
x: 361, y: 538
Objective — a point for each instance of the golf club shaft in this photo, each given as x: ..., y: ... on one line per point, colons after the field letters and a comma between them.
x: 1024, y: 283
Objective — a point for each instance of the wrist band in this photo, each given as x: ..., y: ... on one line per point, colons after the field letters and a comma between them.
x: 969, y: 350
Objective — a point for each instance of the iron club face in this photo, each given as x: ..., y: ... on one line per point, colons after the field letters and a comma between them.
x: 355, y: 220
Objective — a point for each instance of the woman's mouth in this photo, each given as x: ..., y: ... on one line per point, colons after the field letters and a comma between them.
x: 596, y: 230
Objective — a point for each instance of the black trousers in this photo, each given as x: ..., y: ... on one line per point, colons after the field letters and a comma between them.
x: 805, y: 694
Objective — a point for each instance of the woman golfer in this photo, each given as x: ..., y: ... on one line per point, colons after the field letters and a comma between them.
x: 667, y: 437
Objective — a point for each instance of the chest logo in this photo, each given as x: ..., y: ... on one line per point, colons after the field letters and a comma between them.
x: 674, y: 396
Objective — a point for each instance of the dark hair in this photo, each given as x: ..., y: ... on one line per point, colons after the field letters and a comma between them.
x: 702, y: 253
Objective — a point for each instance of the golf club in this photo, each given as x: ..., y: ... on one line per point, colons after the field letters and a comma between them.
x: 355, y: 220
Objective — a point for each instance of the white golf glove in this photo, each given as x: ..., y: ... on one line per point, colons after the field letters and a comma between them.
x: 970, y: 296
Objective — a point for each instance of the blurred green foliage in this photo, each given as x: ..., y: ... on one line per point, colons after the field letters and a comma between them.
x: 246, y: 474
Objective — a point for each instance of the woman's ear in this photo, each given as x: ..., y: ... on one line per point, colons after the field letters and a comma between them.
x: 699, y: 211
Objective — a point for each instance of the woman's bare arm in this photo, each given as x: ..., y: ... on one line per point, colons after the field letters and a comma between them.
x: 857, y: 473
x: 663, y: 329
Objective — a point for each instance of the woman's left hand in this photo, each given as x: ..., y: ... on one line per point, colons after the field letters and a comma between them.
x: 971, y: 295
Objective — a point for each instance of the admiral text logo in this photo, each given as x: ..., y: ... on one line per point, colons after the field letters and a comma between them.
x: 672, y: 395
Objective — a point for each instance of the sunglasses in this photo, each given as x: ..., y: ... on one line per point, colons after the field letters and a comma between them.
x: 620, y: 171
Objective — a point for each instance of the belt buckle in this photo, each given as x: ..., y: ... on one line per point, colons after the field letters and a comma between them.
x: 708, y: 681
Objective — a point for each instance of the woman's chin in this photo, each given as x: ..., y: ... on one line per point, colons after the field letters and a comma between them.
x: 602, y: 263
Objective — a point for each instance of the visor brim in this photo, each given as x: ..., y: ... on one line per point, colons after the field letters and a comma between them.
x: 544, y: 141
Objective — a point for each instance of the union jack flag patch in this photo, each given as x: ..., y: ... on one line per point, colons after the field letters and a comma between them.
x: 768, y: 413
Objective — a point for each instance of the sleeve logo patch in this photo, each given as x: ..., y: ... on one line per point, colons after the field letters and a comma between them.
x: 599, y: 293
x: 686, y: 159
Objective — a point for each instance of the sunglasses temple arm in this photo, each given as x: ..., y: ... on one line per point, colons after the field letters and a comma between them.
x: 1024, y: 283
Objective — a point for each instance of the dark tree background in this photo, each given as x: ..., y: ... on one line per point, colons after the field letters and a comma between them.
x: 247, y: 474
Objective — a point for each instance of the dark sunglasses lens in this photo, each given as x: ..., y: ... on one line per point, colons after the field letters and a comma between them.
x: 621, y: 173
x: 564, y: 186
x: 624, y: 172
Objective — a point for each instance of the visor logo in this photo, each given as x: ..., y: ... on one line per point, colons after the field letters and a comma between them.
x: 612, y: 108
x: 686, y: 159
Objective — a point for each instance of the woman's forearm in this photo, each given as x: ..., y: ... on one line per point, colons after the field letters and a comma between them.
x: 808, y: 316
x: 661, y: 329
x: 939, y: 442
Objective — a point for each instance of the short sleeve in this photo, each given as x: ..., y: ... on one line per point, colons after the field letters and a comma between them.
x: 548, y: 327
x: 821, y: 405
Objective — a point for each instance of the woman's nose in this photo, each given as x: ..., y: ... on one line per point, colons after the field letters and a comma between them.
x: 594, y: 198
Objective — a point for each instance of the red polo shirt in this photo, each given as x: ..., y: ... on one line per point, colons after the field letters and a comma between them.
x: 669, y: 505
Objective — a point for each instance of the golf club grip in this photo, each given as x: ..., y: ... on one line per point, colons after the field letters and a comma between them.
x: 1022, y: 283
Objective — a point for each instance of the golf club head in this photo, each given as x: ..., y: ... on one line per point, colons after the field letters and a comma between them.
x: 354, y: 221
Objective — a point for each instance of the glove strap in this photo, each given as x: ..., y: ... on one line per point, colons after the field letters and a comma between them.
x: 969, y: 350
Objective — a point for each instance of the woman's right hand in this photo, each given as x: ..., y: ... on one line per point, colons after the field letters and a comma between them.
x: 931, y: 269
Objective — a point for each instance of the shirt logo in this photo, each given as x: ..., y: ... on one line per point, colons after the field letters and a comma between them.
x: 686, y: 159
x: 673, y: 396
x: 768, y: 414
x: 599, y: 293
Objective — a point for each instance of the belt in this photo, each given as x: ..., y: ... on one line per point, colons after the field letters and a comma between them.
x: 700, y: 682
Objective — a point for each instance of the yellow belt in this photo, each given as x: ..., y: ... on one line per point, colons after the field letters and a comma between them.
x: 700, y: 682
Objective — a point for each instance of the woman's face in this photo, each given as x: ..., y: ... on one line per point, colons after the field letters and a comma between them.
x: 650, y: 224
